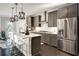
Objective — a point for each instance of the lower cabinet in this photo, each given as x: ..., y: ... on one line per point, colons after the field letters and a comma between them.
x: 49, y: 39
x: 35, y: 45
x: 43, y: 37
x: 53, y: 40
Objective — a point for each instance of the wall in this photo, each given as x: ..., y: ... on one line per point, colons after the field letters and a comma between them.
x: 0, y: 24
x: 3, y: 23
x: 21, y: 26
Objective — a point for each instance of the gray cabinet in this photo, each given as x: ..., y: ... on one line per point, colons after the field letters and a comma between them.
x: 72, y: 10
x: 30, y: 21
x: 37, y: 20
x: 67, y: 12
x: 53, y: 39
x: 62, y: 13
x: 35, y: 45
x: 43, y: 37
x: 34, y: 21
x: 49, y: 39
x: 52, y: 19
x: 78, y: 9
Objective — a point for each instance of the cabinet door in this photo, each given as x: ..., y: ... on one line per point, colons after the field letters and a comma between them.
x: 36, y: 21
x: 78, y: 9
x: 43, y: 37
x: 32, y: 21
x: 47, y: 41
x: 35, y: 45
x: 58, y: 14
x: 53, y: 40
x: 55, y: 19
x: 62, y: 13
x: 52, y: 19
x: 72, y: 10
x: 39, y: 20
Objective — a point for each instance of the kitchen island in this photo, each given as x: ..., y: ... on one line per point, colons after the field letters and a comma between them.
x: 28, y: 44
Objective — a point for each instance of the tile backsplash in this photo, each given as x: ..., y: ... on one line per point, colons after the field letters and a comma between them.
x: 44, y: 27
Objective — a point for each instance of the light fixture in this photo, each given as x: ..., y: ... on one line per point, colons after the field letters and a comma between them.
x: 16, y: 16
x: 21, y: 14
x: 12, y: 18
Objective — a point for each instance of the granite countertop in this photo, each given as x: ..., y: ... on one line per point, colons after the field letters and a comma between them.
x: 46, y: 32
x: 28, y: 36
x: 20, y: 37
x: 23, y: 42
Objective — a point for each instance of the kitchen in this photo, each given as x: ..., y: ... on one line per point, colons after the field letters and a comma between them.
x: 46, y: 30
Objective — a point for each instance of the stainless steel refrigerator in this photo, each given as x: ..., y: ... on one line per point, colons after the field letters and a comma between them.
x: 67, y: 34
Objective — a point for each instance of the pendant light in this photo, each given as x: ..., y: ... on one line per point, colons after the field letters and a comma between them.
x: 16, y: 16
x: 12, y: 18
x: 21, y: 14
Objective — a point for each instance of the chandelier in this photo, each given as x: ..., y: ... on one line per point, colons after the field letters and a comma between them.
x: 16, y: 16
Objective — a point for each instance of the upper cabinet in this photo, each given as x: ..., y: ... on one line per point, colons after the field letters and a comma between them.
x: 72, y: 11
x: 67, y: 12
x: 62, y: 13
x: 52, y: 19
x: 37, y: 20
x: 34, y: 21
x: 78, y: 9
x: 30, y: 22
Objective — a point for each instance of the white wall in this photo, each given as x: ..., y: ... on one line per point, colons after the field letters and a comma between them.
x: 3, y: 22
x: 21, y: 26
x: 0, y: 24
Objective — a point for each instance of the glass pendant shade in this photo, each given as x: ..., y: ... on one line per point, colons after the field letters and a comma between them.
x: 12, y: 18
x: 21, y: 14
x: 16, y: 16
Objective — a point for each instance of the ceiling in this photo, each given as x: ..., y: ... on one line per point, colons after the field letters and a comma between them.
x: 29, y: 8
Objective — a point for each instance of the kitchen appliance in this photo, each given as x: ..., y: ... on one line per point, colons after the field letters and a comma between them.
x: 67, y: 29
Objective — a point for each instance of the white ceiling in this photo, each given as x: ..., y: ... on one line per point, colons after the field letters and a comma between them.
x: 29, y: 8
